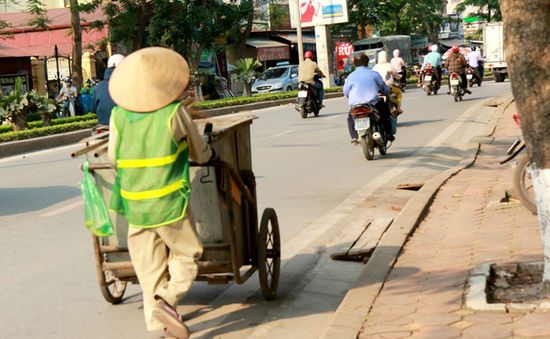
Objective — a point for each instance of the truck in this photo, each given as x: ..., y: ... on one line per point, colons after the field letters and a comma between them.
x: 386, y: 43
x: 493, y: 50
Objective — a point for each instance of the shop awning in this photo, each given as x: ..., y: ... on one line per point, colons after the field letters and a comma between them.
x: 293, y: 37
x: 269, y: 49
x: 41, y: 43
x: 13, y: 52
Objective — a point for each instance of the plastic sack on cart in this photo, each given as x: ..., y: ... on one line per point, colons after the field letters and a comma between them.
x: 96, y: 215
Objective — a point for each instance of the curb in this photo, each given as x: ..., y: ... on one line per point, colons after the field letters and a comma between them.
x: 354, y: 308
x: 36, y: 144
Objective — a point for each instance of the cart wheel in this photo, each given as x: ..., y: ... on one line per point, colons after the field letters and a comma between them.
x: 269, y: 254
x: 111, y: 287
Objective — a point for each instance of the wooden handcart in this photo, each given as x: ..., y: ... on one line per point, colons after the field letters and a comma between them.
x: 224, y: 208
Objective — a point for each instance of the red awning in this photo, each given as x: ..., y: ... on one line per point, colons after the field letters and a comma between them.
x: 12, y: 52
x: 59, y: 18
x: 269, y: 49
x: 41, y: 43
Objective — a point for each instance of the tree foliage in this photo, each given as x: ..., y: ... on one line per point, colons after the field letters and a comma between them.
x: 486, y: 9
x: 187, y: 26
x: 39, y: 15
x: 397, y: 16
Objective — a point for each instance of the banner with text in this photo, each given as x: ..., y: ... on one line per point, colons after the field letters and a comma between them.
x: 319, y: 12
x: 343, y: 51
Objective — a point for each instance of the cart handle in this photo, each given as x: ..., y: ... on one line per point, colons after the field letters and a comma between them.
x: 234, y: 175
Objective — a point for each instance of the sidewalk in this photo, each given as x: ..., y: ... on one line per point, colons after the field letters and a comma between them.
x: 423, y: 295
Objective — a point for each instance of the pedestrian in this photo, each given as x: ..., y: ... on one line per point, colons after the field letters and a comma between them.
x: 101, y: 102
x: 151, y: 139
x: 456, y: 63
x: 362, y: 87
x: 389, y: 73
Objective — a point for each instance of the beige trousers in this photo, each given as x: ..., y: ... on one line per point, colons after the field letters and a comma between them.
x: 165, y: 261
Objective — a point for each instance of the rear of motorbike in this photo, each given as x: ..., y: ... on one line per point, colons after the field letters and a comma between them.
x: 456, y: 89
x: 428, y: 81
x: 307, y: 100
x: 367, y: 124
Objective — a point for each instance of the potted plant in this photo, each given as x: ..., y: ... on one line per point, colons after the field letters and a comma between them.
x: 14, y: 107
x: 245, y: 71
x: 44, y: 106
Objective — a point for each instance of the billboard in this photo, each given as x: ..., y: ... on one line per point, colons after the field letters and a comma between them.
x: 343, y: 51
x: 319, y: 12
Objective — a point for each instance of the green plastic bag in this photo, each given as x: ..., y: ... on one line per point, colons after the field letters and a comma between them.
x: 96, y: 215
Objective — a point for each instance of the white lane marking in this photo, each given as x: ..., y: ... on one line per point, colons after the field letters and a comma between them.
x: 63, y: 209
x: 281, y: 134
x: 230, y: 300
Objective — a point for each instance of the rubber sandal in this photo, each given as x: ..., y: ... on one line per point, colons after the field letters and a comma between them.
x: 169, y: 317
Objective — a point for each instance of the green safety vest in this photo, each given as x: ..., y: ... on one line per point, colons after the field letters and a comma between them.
x: 152, y: 186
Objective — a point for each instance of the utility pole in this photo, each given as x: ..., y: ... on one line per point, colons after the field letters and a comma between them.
x: 299, y: 31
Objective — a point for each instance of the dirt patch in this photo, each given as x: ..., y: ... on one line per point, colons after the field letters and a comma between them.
x: 515, y: 283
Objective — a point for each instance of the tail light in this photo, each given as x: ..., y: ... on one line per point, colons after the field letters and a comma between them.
x: 454, y: 76
x: 428, y: 70
x: 360, y: 111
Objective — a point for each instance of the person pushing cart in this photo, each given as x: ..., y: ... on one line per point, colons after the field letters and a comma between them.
x: 151, y: 139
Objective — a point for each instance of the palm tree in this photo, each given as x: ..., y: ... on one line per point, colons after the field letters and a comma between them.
x: 245, y: 71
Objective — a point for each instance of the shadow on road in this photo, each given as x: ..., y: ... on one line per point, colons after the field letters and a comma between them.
x: 290, y: 303
x: 417, y: 122
x: 28, y: 199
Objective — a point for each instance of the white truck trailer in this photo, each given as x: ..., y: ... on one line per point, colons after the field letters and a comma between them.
x: 493, y: 50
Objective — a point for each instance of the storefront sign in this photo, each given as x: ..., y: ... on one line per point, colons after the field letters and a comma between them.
x: 7, y: 82
x: 273, y: 53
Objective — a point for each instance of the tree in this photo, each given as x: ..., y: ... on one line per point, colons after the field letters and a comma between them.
x: 398, y: 16
x: 487, y: 9
x: 245, y: 71
x: 527, y: 50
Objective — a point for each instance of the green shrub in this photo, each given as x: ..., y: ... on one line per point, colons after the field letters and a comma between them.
x: 227, y: 102
x: 55, y: 122
x: 43, y: 131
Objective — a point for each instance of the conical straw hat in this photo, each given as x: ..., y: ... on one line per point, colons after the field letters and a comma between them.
x: 149, y: 79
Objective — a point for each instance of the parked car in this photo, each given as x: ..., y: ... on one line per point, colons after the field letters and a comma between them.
x: 277, y: 79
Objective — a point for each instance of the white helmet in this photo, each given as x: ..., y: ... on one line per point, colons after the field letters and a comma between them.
x: 433, y: 48
x: 115, y: 60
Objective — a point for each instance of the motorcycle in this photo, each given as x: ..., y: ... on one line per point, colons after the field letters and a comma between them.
x: 307, y: 100
x: 402, y: 83
x: 429, y: 80
x: 522, y: 181
x: 456, y: 86
x: 368, y: 124
x: 472, y: 75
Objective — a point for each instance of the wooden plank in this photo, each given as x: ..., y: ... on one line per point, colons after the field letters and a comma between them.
x: 366, y: 241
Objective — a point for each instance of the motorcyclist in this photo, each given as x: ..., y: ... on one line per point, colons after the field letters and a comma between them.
x: 68, y: 94
x: 309, y: 73
x: 389, y: 73
x: 476, y: 61
x: 456, y: 63
x: 362, y: 87
x: 434, y: 58
x: 101, y: 103
x: 400, y: 66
